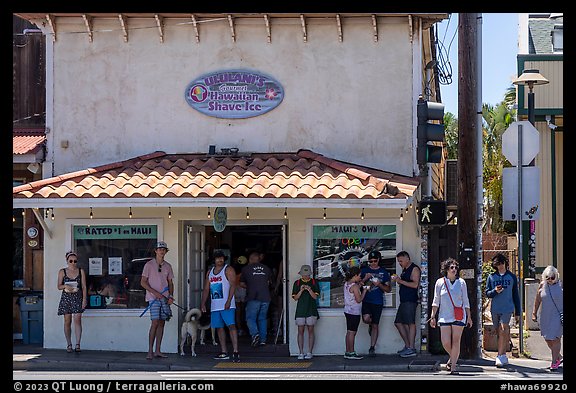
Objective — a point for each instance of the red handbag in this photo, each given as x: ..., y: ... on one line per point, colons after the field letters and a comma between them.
x: 458, y: 311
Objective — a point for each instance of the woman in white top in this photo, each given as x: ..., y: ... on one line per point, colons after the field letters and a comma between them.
x: 449, y: 293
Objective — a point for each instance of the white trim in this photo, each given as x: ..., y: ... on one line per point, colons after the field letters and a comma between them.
x: 113, y: 312
x: 68, y: 203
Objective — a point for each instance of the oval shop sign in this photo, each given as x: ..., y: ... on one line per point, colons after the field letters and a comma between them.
x: 234, y: 94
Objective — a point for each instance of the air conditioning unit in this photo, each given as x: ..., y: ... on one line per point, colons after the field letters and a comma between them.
x: 451, y: 187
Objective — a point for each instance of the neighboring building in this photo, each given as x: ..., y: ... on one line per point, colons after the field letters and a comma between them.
x: 541, y: 47
x: 309, y: 142
x: 28, y: 152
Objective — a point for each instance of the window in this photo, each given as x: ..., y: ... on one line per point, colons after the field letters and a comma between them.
x: 336, y: 247
x: 113, y: 257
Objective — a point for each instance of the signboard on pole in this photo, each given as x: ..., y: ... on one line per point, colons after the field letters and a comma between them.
x: 530, y: 193
x: 530, y: 142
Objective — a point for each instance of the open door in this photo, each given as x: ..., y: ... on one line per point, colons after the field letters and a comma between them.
x: 194, y: 266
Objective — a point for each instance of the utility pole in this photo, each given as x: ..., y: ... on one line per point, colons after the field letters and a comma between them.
x: 468, y: 87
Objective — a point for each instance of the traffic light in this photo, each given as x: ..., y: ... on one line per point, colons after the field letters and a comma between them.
x: 428, y: 132
x: 432, y: 213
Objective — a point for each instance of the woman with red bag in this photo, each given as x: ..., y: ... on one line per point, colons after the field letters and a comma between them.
x: 451, y: 297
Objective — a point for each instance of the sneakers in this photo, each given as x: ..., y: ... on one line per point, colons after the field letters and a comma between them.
x: 300, y: 356
x: 308, y: 356
x: 236, y: 357
x: 255, y: 340
x: 262, y: 344
x: 554, y: 365
x: 408, y: 353
x: 501, y: 361
x: 352, y: 355
x: 402, y: 350
x: 372, y: 351
x: 222, y: 356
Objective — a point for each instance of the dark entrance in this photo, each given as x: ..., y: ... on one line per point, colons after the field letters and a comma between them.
x: 441, y: 245
x: 239, y: 241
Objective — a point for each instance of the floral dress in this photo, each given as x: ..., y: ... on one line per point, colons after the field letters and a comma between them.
x: 71, y: 303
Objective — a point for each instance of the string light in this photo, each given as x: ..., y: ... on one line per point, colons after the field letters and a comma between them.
x: 13, y: 219
x: 285, y: 212
x: 401, y: 215
x: 362, y: 215
x: 324, y: 216
x: 52, y: 215
x: 247, y: 214
x: 130, y: 214
x: 91, y: 214
x: 209, y: 215
x: 46, y: 211
x: 169, y: 212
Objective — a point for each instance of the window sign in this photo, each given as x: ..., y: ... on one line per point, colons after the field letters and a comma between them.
x: 234, y: 94
x: 113, y: 257
x: 338, y: 247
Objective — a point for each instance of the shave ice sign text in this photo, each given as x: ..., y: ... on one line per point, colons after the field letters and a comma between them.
x: 234, y: 94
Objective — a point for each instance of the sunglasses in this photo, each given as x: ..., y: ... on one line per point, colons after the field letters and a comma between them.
x: 453, y: 267
x: 373, y: 260
x: 73, y: 261
x: 159, y: 268
x: 551, y: 278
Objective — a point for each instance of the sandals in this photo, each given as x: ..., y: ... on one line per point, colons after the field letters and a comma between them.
x: 69, y: 348
x: 77, y: 349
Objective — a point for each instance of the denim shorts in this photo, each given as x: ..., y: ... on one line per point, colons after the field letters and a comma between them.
x: 455, y: 323
x: 501, y: 318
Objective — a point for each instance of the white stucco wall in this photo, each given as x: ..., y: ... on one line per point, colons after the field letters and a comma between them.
x: 351, y: 100
x: 127, y: 331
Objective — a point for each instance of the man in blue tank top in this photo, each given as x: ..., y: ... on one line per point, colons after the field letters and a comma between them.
x: 405, y: 321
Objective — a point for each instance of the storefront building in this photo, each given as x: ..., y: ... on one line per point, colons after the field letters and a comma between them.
x: 294, y: 135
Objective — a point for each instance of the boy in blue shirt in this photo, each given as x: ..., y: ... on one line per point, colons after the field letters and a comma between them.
x: 502, y: 288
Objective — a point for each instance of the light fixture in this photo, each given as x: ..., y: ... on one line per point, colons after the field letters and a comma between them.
x: 531, y: 78
x: 13, y: 219
x: 52, y: 215
x: 130, y: 213
x: 324, y: 216
x: 33, y: 167
x: 247, y: 214
x: 46, y: 211
x: 362, y: 215
x: 91, y: 214
x: 401, y: 215
x: 209, y: 215
x: 285, y: 212
x: 169, y: 212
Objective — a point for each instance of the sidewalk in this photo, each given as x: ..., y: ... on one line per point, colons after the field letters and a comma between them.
x: 34, y: 357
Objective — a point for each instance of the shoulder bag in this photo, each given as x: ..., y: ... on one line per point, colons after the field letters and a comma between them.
x: 458, y: 311
x: 559, y: 312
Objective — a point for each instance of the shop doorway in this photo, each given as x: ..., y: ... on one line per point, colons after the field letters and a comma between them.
x: 238, y: 241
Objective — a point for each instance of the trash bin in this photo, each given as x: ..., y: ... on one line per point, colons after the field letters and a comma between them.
x: 31, y: 314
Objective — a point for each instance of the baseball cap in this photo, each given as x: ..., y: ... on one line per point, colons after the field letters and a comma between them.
x: 374, y: 255
x: 305, y: 270
x: 162, y: 244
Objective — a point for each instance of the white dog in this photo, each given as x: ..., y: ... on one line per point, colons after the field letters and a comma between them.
x: 195, y: 321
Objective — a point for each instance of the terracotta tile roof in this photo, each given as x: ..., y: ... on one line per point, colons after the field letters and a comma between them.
x: 27, y: 140
x: 303, y: 174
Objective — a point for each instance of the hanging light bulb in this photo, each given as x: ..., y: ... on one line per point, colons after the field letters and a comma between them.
x: 91, y: 214
x: 285, y: 212
x: 46, y: 213
x: 130, y: 214
x: 324, y: 216
x: 401, y: 215
x: 209, y: 215
x: 52, y: 215
x: 13, y: 219
x: 362, y: 215
x: 247, y: 214
x: 169, y: 212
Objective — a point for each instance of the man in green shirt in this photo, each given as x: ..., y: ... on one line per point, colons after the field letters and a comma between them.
x: 305, y: 291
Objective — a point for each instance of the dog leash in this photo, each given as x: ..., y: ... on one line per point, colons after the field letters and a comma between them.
x: 154, y: 301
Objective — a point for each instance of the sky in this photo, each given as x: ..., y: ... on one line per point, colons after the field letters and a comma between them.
x: 499, y: 51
